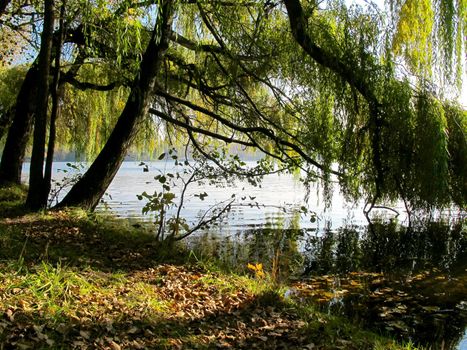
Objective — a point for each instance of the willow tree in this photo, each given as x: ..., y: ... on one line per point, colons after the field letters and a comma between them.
x: 84, y: 46
x: 344, y: 93
x: 404, y: 121
x: 317, y: 88
x: 18, y: 32
x: 16, y: 25
x: 334, y: 99
x: 36, y: 177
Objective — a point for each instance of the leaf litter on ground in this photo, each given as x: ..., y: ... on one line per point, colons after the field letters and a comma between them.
x: 68, y: 282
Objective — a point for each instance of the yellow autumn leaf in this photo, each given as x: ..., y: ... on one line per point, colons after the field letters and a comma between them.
x: 251, y: 267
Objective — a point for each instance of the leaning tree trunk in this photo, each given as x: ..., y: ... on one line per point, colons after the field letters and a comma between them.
x: 87, y: 192
x: 36, y: 191
x: 20, y: 130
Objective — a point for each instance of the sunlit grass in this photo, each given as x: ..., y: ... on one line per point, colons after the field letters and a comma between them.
x: 13, y: 193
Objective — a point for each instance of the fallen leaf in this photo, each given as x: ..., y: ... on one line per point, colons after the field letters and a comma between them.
x: 114, y: 345
x: 85, y: 334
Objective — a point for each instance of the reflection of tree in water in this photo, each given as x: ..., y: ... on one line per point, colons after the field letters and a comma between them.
x: 388, y: 248
x: 410, y: 282
x: 275, y: 246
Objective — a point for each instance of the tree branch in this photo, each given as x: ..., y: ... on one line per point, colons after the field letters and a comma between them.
x: 203, y: 223
x: 223, y: 167
x: 199, y: 130
x: 194, y: 46
x: 298, y: 24
x: 70, y: 79
x: 264, y: 131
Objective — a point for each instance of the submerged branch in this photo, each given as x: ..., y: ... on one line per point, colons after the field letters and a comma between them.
x: 202, y: 223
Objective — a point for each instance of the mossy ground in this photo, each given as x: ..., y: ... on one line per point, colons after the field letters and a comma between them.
x: 71, y: 280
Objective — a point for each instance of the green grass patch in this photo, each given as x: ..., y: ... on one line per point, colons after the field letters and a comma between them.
x: 13, y: 193
x: 12, y: 198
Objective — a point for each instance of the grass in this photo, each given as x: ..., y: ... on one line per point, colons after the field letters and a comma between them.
x: 72, y: 280
x: 12, y: 198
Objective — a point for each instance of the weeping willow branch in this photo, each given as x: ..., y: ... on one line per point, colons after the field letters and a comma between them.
x: 298, y: 25
x: 218, y: 38
x: 253, y: 143
x: 275, y: 90
x: 224, y: 168
x: 191, y: 105
x: 194, y: 46
x: 248, y: 130
x: 256, y: 109
x: 198, y: 130
x: 252, y: 103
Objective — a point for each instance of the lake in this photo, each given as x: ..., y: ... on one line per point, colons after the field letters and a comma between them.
x: 408, y: 282
x: 276, y: 191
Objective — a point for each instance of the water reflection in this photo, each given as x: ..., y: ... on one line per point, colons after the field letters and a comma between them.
x: 408, y: 282
x: 388, y: 248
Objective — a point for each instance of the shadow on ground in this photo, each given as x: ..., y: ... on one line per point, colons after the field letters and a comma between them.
x: 77, y: 240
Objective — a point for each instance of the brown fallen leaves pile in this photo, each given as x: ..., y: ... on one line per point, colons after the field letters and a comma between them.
x: 164, y: 307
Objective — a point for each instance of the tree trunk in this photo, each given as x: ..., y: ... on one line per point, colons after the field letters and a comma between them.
x: 87, y: 192
x: 5, y: 120
x: 20, y: 130
x: 57, y: 91
x: 36, y: 191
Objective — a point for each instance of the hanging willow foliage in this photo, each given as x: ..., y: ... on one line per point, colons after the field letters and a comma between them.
x: 457, y: 149
x: 431, y: 36
x: 413, y: 34
x: 416, y: 151
x: 89, y: 116
x: 430, y: 156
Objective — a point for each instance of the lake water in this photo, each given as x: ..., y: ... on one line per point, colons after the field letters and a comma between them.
x: 408, y: 282
x: 276, y: 191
